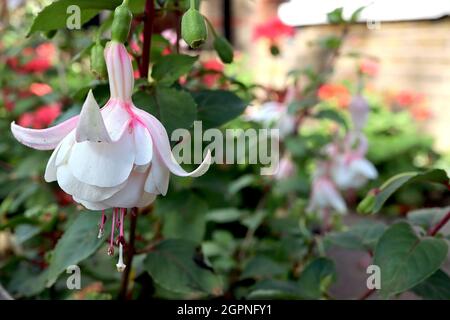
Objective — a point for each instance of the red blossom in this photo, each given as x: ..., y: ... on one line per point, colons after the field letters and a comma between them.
x: 41, y: 59
x: 273, y: 30
x: 210, y: 79
x: 42, y: 117
x: 337, y: 93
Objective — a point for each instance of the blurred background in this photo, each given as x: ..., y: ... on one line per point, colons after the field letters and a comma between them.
x: 397, y: 54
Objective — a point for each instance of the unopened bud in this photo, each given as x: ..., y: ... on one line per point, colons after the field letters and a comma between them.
x: 193, y: 28
x: 223, y: 49
x: 367, y: 204
x: 98, y: 65
x: 121, y: 23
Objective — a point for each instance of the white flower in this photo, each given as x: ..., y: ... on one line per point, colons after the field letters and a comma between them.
x: 325, y: 196
x: 116, y: 157
x: 352, y: 171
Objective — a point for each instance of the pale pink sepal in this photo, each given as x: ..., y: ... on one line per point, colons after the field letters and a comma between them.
x: 120, y: 71
x: 161, y: 141
x: 91, y: 126
x: 43, y: 139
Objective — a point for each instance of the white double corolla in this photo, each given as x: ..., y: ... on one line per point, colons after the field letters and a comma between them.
x: 115, y: 157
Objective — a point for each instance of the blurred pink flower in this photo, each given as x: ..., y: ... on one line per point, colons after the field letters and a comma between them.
x: 273, y: 30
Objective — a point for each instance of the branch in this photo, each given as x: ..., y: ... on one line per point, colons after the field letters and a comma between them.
x: 123, y: 292
x: 149, y: 18
x: 433, y: 231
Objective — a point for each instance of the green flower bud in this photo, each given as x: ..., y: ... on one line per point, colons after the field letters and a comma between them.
x: 193, y: 28
x: 223, y: 49
x: 98, y: 65
x: 121, y: 23
x: 274, y: 50
x: 367, y: 204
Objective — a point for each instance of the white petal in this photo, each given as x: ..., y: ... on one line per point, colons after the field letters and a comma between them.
x: 158, y: 179
x: 365, y: 168
x: 146, y: 199
x: 91, y: 126
x: 162, y: 145
x: 81, y: 190
x: 131, y: 193
x: 143, y: 144
x: 103, y: 164
x: 95, y: 206
x: 64, y: 150
x: 50, y: 170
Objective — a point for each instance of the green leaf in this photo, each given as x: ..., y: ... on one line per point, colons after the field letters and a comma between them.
x: 54, y: 16
x: 174, y: 108
x: 262, y: 267
x: 398, y: 181
x: 171, y: 67
x: 436, y: 287
x: 427, y: 218
x: 77, y: 243
x: 275, y: 289
x: 224, y: 215
x: 362, y: 236
x: 335, y: 16
x: 217, y: 107
x: 405, y: 260
x: 356, y: 14
x: 316, y: 278
x: 183, y: 217
x: 332, y: 115
x: 174, y: 265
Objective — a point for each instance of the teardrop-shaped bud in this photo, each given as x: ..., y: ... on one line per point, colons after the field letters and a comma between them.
x: 121, y: 23
x: 359, y: 110
x: 98, y: 65
x: 193, y: 28
x: 223, y: 49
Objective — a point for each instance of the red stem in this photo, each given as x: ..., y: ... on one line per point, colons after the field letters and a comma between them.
x: 149, y: 18
x: 367, y: 294
x: 433, y: 231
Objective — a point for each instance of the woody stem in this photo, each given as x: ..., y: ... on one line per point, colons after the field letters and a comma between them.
x: 130, y: 251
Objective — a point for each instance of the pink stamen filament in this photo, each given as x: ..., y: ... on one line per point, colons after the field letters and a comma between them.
x: 111, y: 241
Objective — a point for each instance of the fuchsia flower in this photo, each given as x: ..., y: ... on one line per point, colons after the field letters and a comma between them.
x: 117, y: 157
x: 351, y: 170
x: 359, y: 111
x: 325, y: 196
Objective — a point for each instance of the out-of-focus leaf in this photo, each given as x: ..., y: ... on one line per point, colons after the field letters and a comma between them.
x: 78, y: 243
x: 428, y: 217
x: 174, y: 108
x: 316, y: 278
x: 405, y: 260
x: 55, y: 15
x: 224, y: 215
x: 362, y: 236
x: 335, y: 16
x: 171, y: 67
x: 332, y: 115
x: 175, y: 266
x: 275, y: 289
x: 262, y: 267
x: 217, y: 107
x: 398, y: 181
x: 183, y: 217
x: 436, y: 287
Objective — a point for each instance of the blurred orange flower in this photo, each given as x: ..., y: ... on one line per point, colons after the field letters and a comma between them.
x: 40, y: 89
x: 336, y: 93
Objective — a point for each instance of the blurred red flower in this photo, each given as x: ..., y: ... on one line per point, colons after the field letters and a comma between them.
x: 41, y: 59
x: 335, y: 92
x: 408, y: 98
x: 40, y: 118
x: 40, y: 89
x: 272, y: 30
x: 210, y: 79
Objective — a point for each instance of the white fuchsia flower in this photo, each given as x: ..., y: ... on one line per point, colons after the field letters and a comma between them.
x: 286, y: 168
x: 325, y: 196
x: 351, y: 170
x: 115, y: 157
